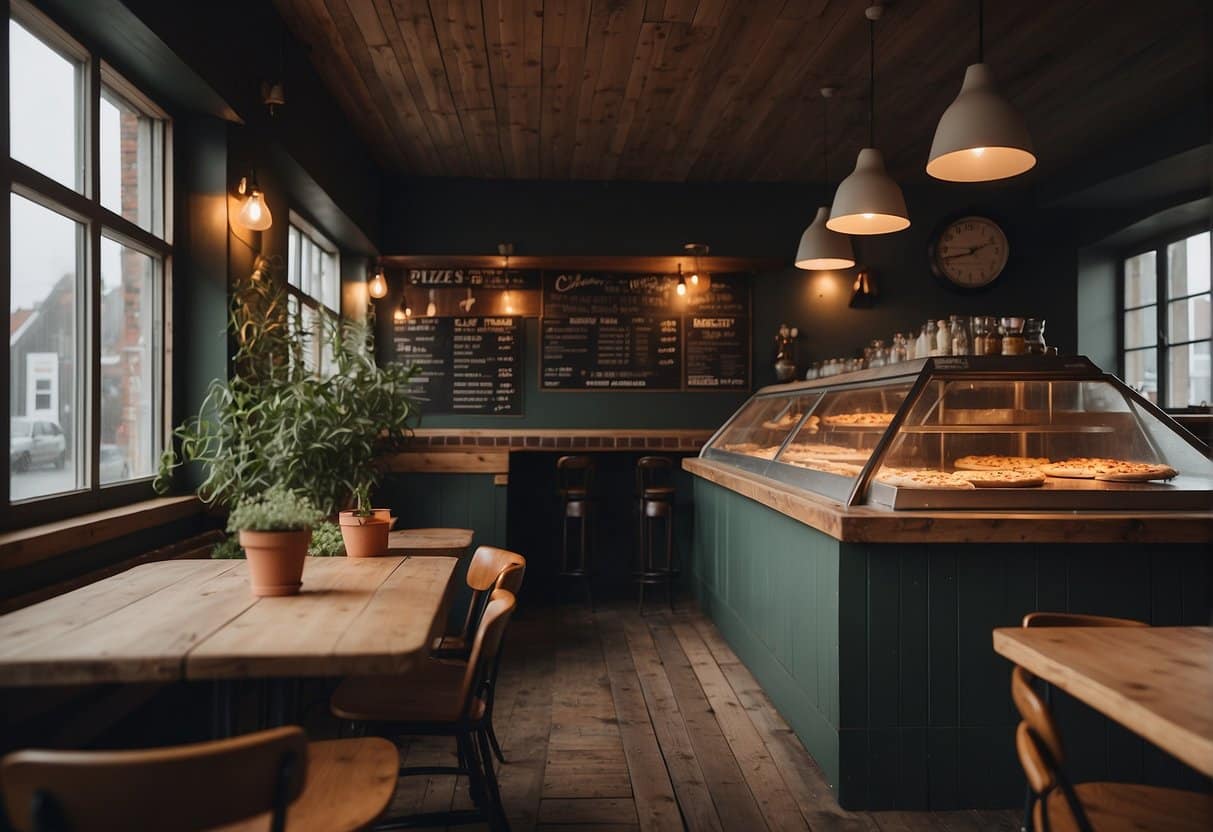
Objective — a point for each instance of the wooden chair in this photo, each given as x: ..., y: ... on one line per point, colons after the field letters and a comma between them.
x: 487, y: 572
x: 1059, y: 806
x: 269, y: 780
x: 1065, y: 619
x: 442, y: 698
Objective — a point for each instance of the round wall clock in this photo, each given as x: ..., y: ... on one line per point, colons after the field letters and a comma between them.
x: 969, y: 253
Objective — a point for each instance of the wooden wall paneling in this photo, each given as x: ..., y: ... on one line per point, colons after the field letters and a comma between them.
x: 412, y: 33
x: 564, y: 50
x: 614, y: 31
x: 310, y: 22
x: 741, y: 29
x: 402, y: 115
x: 514, y: 39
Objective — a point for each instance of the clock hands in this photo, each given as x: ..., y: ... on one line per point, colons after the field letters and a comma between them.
x: 968, y: 251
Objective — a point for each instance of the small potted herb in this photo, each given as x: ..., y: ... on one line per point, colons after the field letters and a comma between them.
x: 365, y: 529
x: 275, y: 528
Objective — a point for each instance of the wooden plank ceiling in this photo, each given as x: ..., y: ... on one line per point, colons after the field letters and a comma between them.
x: 727, y: 90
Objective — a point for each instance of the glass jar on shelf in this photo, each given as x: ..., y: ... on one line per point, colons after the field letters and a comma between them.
x: 943, y: 341
x: 1034, y: 336
x: 985, y: 336
x: 924, y: 345
x: 958, y: 333
x: 876, y: 354
x: 898, y: 352
x: 1012, y: 336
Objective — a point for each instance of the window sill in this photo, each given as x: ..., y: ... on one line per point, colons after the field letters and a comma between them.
x: 49, y: 540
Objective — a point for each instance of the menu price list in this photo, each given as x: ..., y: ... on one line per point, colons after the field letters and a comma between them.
x: 469, y: 365
x: 609, y: 352
x: 717, y: 351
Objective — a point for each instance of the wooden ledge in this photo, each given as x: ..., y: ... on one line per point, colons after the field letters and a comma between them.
x: 38, y: 543
x: 864, y: 524
x: 655, y: 264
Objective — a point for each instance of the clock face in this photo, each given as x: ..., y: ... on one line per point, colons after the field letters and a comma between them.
x: 970, y: 252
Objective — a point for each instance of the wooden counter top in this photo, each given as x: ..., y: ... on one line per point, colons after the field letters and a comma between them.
x: 863, y: 524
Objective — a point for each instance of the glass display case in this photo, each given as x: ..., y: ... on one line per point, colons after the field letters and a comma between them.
x: 971, y: 432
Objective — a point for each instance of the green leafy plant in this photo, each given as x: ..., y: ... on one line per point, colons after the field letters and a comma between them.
x: 228, y: 549
x: 276, y: 421
x: 326, y: 541
x: 277, y: 509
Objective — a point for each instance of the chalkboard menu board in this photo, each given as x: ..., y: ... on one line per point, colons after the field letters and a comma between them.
x: 634, y: 332
x: 603, y: 332
x: 716, y: 355
x: 475, y: 278
x: 470, y: 365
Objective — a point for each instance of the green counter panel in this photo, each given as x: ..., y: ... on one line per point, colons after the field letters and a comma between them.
x: 880, y: 656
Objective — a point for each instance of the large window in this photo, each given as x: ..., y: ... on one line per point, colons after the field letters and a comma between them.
x: 88, y: 258
x: 314, y: 283
x: 1165, y: 324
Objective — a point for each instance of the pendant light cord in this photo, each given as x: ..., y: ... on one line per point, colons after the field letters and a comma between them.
x: 981, y: 31
x: 871, y: 83
x: 825, y: 138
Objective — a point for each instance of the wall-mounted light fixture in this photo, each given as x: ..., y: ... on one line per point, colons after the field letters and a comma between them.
x: 254, y: 214
x: 376, y: 287
x: 681, y: 288
x: 431, y: 308
x: 403, y: 311
x: 695, y: 250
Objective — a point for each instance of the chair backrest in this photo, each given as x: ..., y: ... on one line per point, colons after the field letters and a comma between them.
x: 482, y: 661
x: 1038, y: 721
x: 1076, y: 619
x: 575, y: 472
x: 653, y: 471
x: 183, y: 787
x: 487, y: 564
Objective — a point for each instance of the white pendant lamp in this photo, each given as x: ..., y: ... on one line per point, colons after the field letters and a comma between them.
x: 980, y: 137
x: 820, y: 248
x: 869, y: 201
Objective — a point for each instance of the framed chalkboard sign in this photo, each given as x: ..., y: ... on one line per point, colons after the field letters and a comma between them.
x: 636, y: 332
x: 466, y: 365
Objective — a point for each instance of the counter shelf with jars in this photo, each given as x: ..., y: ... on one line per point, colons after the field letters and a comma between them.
x: 970, y: 432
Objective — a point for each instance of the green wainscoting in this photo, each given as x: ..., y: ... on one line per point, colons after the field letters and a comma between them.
x: 461, y: 501
x: 880, y: 656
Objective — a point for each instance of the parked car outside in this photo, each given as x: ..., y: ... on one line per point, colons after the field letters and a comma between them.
x: 35, y: 442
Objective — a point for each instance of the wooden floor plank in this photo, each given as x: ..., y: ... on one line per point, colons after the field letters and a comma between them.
x: 804, y: 778
x: 527, y: 676
x: 587, y: 810
x: 656, y: 805
x: 757, y: 766
x: 735, y: 805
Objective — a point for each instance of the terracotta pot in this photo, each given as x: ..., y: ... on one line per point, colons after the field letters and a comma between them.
x: 365, y: 537
x: 275, y: 560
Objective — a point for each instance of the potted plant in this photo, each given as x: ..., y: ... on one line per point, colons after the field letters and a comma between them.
x: 276, y: 420
x: 275, y: 527
x: 364, y: 529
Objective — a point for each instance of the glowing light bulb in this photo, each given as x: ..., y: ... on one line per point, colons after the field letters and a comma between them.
x: 377, y: 285
x: 694, y: 278
x: 682, y: 287
x: 408, y: 311
x: 254, y: 213
x: 398, y: 316
x: 431, y: 309
x: 508, y: 300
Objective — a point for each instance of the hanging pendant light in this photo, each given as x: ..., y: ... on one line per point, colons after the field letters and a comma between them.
x: 821, y: 248
x: 681, y: 288
x: 980, y: 137
x: 869, y: 201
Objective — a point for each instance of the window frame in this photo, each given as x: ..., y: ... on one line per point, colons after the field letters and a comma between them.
x: 1161, y: 304
x: 84, y: 206
x: 318, y: 307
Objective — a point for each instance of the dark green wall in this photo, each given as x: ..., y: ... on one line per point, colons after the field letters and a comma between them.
x: 881, y: 658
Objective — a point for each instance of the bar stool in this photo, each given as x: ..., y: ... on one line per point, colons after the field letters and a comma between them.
x: 579, y: 509
x: 656, y: 564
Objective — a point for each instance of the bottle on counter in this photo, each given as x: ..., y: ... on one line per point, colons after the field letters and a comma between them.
x: 1034, y: 336
x: 1012, y: 336
x: 898, y: 352
x: 958, y: 332
x: 943, y: 341
x: 923, y: 346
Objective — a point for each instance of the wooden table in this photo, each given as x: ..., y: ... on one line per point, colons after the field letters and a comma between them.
x: 446, y: 542
x: 1156, y: 681
x: 196, y: 619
